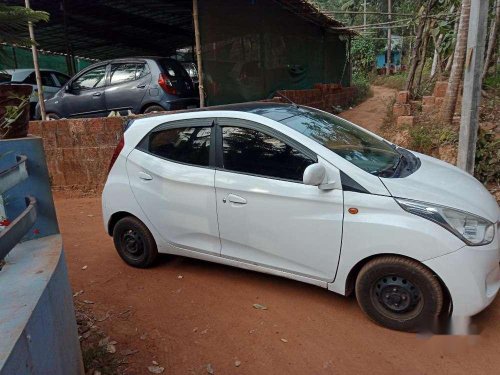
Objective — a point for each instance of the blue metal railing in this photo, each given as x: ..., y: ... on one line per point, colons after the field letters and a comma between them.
x: 15, y: 231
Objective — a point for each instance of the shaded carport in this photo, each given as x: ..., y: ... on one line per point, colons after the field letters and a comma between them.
x: 250, y: 48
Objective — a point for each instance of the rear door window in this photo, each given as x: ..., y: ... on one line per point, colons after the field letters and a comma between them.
x: 122, y: 73
x: 190, y: 145
x: 46, y: 77
x: 142, y: 70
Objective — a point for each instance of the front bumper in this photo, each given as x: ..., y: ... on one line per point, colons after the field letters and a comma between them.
x: 472, y: 276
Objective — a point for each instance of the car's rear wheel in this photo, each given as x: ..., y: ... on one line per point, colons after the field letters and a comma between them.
x: 399, y: 293
x: 154, y: 108
x: 134, y: 242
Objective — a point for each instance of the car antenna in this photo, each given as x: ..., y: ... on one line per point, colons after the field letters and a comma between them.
x: 279, y: 93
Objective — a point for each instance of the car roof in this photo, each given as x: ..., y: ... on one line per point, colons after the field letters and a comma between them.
x: 272, y: 110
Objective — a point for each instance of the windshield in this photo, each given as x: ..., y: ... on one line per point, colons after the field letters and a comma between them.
x: 362, y: 149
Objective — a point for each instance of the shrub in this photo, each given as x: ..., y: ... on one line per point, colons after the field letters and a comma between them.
x: 487, y: 163
x: 362, y: 85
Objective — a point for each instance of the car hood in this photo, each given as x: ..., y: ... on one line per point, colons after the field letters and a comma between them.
x: 444, y: 184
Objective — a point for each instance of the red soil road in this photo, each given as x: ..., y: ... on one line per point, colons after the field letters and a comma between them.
x: 371, y: 113
x: 207, y: 316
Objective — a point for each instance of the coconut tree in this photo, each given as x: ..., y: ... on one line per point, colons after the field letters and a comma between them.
x: 457, y: 69
x: 495, y: 26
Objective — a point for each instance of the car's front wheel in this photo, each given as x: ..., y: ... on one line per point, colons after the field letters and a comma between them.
x: 399, y: 293
x: 134, y: 242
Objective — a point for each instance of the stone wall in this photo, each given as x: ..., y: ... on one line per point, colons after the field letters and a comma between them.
x: 78, y: 151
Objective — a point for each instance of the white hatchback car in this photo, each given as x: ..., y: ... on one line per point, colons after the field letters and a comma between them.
x: 300, y: 193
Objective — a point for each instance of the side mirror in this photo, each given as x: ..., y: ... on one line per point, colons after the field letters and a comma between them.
x: 315, y: 175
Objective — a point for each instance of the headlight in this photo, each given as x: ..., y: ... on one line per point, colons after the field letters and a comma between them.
x: 472, y: 229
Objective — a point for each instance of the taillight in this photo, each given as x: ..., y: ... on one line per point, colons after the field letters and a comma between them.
x: 118, y: 149
x: 166, y: 84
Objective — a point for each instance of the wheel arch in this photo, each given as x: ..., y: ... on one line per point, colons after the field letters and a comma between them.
x: 353, y: 275
x: 117, y: 216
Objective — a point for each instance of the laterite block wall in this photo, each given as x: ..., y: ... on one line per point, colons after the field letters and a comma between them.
x: 78, y: 151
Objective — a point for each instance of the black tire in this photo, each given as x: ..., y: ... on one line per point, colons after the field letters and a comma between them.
x: 399, y: 293
x: 154, y: 108
x: 52, y: 116
x: 134, y: 242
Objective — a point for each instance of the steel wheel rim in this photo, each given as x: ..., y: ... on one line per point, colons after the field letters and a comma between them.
x: 132, y: 244
x: 397, y: 297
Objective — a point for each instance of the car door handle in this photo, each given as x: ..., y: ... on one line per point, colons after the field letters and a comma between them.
x: 140, y: 86
x: 96, y: 94
x: 233, y: 198
x: 144, y: 176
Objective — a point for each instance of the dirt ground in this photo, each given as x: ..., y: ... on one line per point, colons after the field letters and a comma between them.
x: 371, y: 113
x: 194, y: 317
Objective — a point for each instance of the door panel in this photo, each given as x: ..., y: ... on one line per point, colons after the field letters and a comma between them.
x: 85, y: 98
x: 281, y: 224
x: 178, y: 199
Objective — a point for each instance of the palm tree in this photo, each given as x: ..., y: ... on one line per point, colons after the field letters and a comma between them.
x: 457, y: 69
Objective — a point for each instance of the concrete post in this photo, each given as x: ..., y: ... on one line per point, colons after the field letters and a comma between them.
x: 472, y: 85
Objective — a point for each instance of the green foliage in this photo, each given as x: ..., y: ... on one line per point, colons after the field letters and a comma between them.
x: 487, y: 166
x: 362, y: 54
x: 14, y: 25
x: 362, y: 85
x: 394, y: 81
x: 12, y: 113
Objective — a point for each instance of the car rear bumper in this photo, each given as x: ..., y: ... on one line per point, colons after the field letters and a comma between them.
x: 472, y: 276
x: 182, y: 103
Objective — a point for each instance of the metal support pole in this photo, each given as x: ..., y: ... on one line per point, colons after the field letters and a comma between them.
x: 36, y: 66
x: 472, y: 85
x: 198, y: 53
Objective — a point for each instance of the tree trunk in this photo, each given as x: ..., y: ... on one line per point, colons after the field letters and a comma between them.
x: 415, y: 55
x: 457, y: 69
x: 452, y: 55
x: 423, y: 55
x: 436, y: 60
x: 495, y: 24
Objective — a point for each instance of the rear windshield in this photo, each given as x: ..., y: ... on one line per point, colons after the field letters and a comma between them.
x: 352, y: 143
x: 5, y: 77
x: 173, y: 68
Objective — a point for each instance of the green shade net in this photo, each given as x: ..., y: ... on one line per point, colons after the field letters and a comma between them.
x: 22, y: 58
x: 252, y: 48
